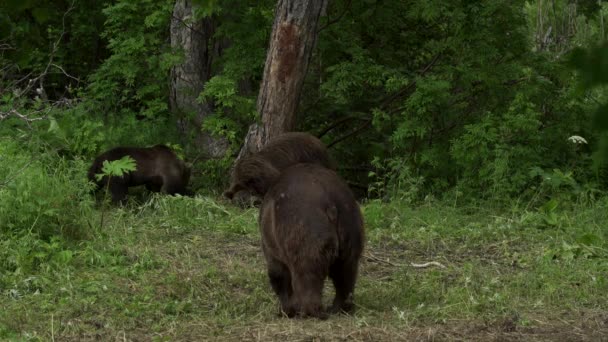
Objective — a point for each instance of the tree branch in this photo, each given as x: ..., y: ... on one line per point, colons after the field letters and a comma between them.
x: 27, y: 119
x: 357, y: 130
x: 337, y: 123
x: 40, y: 78
x: 65, y: 73
x: 338, y: 18
x: 410, y: 86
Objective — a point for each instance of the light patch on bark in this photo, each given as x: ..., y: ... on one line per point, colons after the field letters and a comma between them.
x: 188, y: 78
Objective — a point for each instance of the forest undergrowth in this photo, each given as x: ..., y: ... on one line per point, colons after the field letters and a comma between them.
x: 177, y: 269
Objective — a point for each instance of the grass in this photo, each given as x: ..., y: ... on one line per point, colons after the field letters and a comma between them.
x: 190, y: 269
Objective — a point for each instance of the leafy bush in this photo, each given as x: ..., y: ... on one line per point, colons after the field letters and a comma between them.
x: 471, y: 108
x: 496, y: 154
x: 133, y: 78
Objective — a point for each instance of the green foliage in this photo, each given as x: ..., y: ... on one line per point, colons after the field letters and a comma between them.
x: 77, y: 133
x: 134, y: 76
x: 499, y: 151
x: 80, y: 137
x: 393, y: 180
x: 469, y: 105
x: 212, y: 176
x: 42, y: 194
x: 30, y: 29
x: 26, y: 254
x: 593, y: 69
x: 238, y: 69
x: 117, y: 168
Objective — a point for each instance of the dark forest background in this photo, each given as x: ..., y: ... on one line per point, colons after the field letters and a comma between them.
x: 471, y: 99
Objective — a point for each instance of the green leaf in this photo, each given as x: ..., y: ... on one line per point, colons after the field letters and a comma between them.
x: 117, y: 168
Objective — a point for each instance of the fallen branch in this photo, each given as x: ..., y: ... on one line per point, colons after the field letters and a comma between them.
x: 427, y: 264
x: 372, y: 257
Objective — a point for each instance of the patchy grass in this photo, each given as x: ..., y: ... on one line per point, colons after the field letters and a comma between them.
x: 183, y: 269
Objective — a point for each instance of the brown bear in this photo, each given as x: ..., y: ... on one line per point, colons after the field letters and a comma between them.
x: 311, y: 228
x: 254, y: 172
x: 157, y: 167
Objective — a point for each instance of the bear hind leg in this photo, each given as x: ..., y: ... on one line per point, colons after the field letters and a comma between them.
x: 155, y: 184
x: 280, y: 281
x: 344, y: 275
x: 308, y: 290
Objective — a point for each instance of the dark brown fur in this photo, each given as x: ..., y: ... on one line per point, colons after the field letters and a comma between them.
x: 257, y: 172
x: 311, y: 228
x: 158, y: 168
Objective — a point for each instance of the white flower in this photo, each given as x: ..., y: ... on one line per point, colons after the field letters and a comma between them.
x: 576, y: 139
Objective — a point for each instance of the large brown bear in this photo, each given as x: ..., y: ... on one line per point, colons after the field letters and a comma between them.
x: 311, y: 228
x: 157, y: 167
x: 256, y: 172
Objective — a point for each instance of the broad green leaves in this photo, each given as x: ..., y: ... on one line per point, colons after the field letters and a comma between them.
x: 117, y: 168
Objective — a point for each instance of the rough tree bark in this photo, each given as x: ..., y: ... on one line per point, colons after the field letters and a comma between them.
x: 195, y: 39
x: 294, y: 34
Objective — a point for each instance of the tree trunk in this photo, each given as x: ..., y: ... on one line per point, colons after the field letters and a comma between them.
x: 294, y: 34
x: 196, y: 41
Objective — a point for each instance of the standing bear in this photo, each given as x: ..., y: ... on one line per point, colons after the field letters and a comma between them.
x: 256, y: 172
x: 311, y: 228
x: 157, y: 167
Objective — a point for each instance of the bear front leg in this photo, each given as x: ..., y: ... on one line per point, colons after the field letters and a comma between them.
x: 119, y: 191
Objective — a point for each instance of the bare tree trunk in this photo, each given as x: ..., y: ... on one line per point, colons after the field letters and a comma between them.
x: 195, y: 39
x: 294, y: 34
